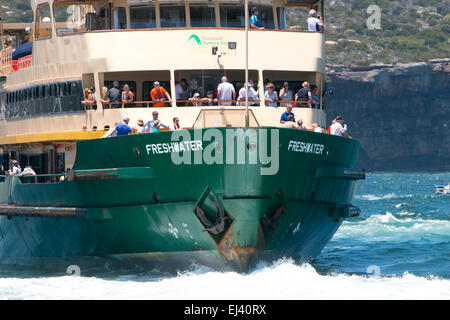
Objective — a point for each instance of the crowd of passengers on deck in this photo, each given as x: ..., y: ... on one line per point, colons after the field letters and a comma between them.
x: 224, y: 95
x: 155, y: 125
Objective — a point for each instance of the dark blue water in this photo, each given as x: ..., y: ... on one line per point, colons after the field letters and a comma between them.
x: 404, y: 227
x: 399, y: 248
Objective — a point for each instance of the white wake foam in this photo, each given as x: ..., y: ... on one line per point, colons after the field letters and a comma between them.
x: 283, y: 280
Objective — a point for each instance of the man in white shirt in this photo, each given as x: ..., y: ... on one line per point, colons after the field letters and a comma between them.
x: 226, y: 92
x: 252, y: 95
x: 314, y: 23
x: 16, y: 170
x: 337, y: 129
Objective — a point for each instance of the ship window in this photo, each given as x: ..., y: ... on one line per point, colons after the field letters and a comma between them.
x: 63, y: 89
x: 202, y: 15
x: 73, y: 18
x: 131, y: 84
x: 44, y: 92
x: 142, y: 17
x: 53, y: 90
x: 120, y: 18
x: 147, y: 87
x: 202, y: 81
x: 172, y: 15
x: 265, y: 15
x: 281, y: 14
x: 43, y: 22
x: 232, y: 16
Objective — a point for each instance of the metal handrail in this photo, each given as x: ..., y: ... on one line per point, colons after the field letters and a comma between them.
x: 149, y: 104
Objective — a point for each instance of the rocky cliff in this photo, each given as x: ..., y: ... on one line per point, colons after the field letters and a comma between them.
x: 401, y: 114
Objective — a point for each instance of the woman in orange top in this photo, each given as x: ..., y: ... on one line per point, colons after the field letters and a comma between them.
x: 159, y: 94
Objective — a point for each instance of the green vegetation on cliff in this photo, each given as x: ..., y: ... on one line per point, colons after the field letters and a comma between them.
x: 411, y: 30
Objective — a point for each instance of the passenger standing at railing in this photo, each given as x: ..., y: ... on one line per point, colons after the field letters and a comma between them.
x: 115, y: 95
x: 303, y: 96
x: 314, y: 23
x: 159, y: 94
x: 210, y: 100
x: 15, y: 170
x: 149, y: 124
x: 140, y: 129
x: 182, y: 92
x: 254, y: 92
x: 254, y: 21
x: 270, y: 96
x: 251, y: 95
x: 226, y: 93
x: 127, y: 95
x: 121, y: 129
x: 286, y: 95
x: 176, y: 125
x: 89, y: 98
x: 315, y: 98
x: 288, y: 119
x: 104, y: 97
x: 337, y: 129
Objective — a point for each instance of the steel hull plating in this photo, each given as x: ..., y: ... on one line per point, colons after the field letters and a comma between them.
x: 132, y: 198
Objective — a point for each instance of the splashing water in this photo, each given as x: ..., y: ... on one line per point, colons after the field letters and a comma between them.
x: 399, y: 248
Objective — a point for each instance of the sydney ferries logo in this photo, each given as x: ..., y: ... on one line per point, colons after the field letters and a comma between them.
x: 195, y: 38
x: 207, y: 41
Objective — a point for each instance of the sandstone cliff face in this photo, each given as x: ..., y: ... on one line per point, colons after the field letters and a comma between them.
x: 400, y: 114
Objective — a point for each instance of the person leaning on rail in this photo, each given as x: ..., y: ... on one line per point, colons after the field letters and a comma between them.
x: 254, y: 20
x: 150, y: 123
x: 114, y: 96
x: 121, y: 129
x: 159, y: 94
x: 337, y: 129
x: 303, y: 96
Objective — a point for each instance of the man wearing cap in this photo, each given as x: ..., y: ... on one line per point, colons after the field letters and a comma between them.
x: 288, y: 119
x: 140, y: 129
x: 122, y: 129
x: 286, y: 95
x: 337, y: 129
x: 251, y: 95
x: 150, y: 123
x: 210, y: 100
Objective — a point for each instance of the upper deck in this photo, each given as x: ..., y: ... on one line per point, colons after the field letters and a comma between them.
x: 76, y: 37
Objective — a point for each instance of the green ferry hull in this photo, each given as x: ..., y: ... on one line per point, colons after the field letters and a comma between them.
x: 130, y: 199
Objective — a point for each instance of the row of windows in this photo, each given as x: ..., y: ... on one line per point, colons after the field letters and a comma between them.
x: 42, y: 99
x: 44, y: 91
x: 73, y: 18
x: 201, y: 15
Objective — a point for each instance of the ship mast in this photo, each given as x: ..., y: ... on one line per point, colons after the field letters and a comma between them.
x: 246, y: 64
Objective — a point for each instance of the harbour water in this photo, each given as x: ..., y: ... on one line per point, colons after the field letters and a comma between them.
x: 399, y: 248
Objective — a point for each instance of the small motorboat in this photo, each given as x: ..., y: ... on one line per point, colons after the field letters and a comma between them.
x: 443, y: 189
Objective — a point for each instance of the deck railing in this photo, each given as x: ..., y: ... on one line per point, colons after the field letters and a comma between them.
x: 201, y: 102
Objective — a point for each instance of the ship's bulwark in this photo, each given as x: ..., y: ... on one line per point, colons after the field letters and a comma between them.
x: 139, y: 198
